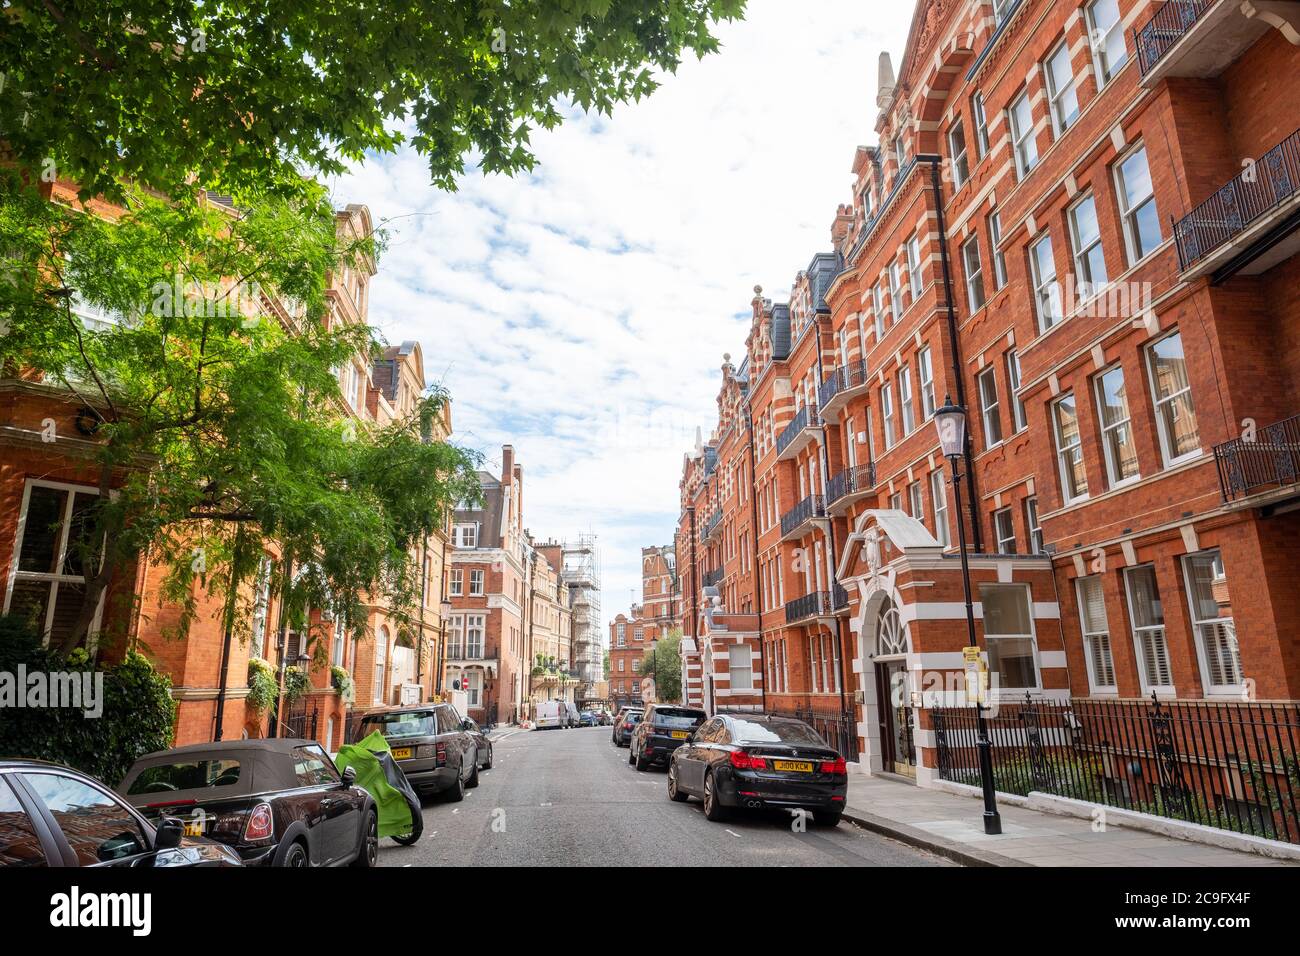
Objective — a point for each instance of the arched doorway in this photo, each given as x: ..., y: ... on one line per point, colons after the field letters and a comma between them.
x: 893, y: 695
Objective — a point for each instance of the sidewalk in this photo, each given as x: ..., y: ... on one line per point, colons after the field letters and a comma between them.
x: 952, y: 826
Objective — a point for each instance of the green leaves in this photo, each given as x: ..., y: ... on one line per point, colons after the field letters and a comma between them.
x: 245, y: 94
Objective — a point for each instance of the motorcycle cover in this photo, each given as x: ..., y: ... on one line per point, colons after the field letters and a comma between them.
x: 379, y: 774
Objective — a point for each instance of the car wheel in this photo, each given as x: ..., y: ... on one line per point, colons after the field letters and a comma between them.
x: 472, y: 782
x: 456, y: 792
x: 631, y: 758
x: 642, y: 764
x: 368, y: 855
x: 713, y: 808
x: 296, y: 857
x: 674, y: 793
x: 827, y: 818
x: 487, y: 764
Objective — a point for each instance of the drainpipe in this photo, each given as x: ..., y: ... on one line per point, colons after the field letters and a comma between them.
x: 830, y: 528
x: 753, y: 522
x: 935, y: 162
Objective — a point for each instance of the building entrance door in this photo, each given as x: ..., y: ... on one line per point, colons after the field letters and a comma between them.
x: 893, y: 696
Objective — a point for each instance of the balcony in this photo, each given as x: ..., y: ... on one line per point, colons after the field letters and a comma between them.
x: 1268, y: 463
x: 712, y: 579
x: 796, y: 436
x: 1199, y: 38
x: 1251, y: 224
x: 849, y: 486
x: 839, y: 598
x: 818, y: 604
x: 712, y: 526
x: 799, y: 519
x: 841, y: 385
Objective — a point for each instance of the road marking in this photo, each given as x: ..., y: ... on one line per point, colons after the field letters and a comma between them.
x: 455, y: 810
x: 545, y: 804
x: 734, y: 833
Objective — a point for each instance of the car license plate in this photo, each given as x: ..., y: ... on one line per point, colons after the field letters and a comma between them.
x: 401, y: 753
x: 194, y: 828
x: 802, y: 766
x: 680, y: 735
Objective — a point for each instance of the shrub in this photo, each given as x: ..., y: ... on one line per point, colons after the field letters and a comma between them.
x: 343, y: 683
x: 296, y: 683
x: 139, y: 714
x: 262, y: 685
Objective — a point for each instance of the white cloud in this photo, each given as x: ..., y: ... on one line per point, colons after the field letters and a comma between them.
x: 581, y: 313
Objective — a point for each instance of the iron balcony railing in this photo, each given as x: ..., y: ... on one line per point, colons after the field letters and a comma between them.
x: 850, y: 480
x: 805, y: 418
x: 814, y: 506
x: 1169, y: 25
x: 814, y: 604
x: 1270, y: 459
x: 1243, y: 201
x: 714, y: 578
x: 712, y: 525
x: 839, y: 597
x: 842, y: 379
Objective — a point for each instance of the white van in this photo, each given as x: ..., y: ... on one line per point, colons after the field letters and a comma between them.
x: 551, y: 714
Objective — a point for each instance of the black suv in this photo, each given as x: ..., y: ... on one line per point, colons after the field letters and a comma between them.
x: 435, y: 746
x: 662, y: 730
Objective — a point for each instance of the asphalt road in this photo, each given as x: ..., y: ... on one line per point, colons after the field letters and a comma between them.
x: 569, y: 798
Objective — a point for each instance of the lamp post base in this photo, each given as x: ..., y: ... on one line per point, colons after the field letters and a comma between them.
x: 992, y: 819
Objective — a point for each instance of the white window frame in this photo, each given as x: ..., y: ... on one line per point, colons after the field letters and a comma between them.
x: 895, y: 292
x: 1082, y: 249
x: 1024, y: 142
x: 906, y: 403
x: 475, y: 623
x: 456, y: 583
x: 1019, y: 418
x: 1069, y: 451
x: 465, y: 535
x: 1062, y: 99
x: 1202, y: 649
x: 958, y: 153
x: 1141, y: 632
x: 939, y: 496
x: 1099, y: 41
x: 914, y: 279
x: 477, y: 582
x: 1113, y: 478
x: 1004, y: 530
x: 1047, y: 291
x: 745, y: 668
x: 989, y: 410
x: 1096, y: 639
x: 980, y: 119
x: 925, y: 375
x: 887, y: 414
x: 994, y: 223
x: 1032, y: 636
x: 1035, y: 526
x: 1129, y: 212
x: 1166, y: 440
x: 916, y: 501
x: 974, y: 274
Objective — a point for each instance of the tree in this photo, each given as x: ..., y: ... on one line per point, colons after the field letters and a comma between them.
x: 663, y: 660
x: 246, y: 92
x: 215, y: 400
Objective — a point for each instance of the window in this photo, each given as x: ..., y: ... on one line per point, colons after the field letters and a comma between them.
x: 261, y: 608
x: 54, y: 554
x: 896, y: 501
x: 1047, y: 292
x: 457, y: 587
x: 1089, y: 261
x: 914, y: 266
x: 1004, y: 531
x: 741, y: 662
x: 970, y: 260
x: 1002, y: 7
x: 957, y: 148
x: 472, y: 684
x: 988, y: 388
x: 1069, y: 450
x: 1116, y: 434
x: 19, y: 845
x: 1148, y: 618
x: 999, y: 258
x: 98, y: 827
x: 1137, y: 204
x: 476, y: 581
x: 895, y: 291
x: 926, y: 365
x: 1212, y: 622
x: 981, y: 125
x: 1096, y: 634
x: 1022, y: 135
x: 313, y: 768
x: 1035, y: 529
x: 915, y: 501
x: 339, y: 642
x: 1009, y: 636
x: 1106, y: 37
x: 905, y: 399
x: 1175, y: 412
x: 465, y: 536
x: 878, y: 306
x: 455, y: 636
x: 939, y: 495
x: 1060, y: 88
x: 474, y: 630
x: 1018, y: 419
x: 887, y: 412
x: 379, y: 695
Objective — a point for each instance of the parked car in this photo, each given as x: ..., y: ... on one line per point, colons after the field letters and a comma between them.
x: 433, y: 744
x: 618, y: 719
x: 571, y: 716
x: 482, y: 745
x: 662, y: 730
x: 606, y: 719
x: 51, y: 815
x: 624, y: 726
x: 756, y: 761
x: 277, y: 802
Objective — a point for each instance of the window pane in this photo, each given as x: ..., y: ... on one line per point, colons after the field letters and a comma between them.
x: 1092, y: 605
x: 80, y: 554
x: 19, y: 845
x: 1006, y: 610
x: 41, y: 530
x: 1012, y: 659
x: 1144, y: 598
x: 30, y: 601
x: 98, y: 828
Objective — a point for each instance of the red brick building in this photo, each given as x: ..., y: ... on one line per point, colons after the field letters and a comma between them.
x: 1080, y: 222
x: 627, y: 647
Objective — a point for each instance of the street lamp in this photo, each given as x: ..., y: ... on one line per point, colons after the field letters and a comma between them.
x: 950, y: 422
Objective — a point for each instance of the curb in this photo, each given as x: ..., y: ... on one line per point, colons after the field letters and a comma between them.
x: 912, y: 836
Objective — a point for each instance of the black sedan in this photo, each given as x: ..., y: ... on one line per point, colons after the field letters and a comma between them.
x: 663, y: 729
x: 759, y: 761
x: 275, y: 802
x: 53, y: 816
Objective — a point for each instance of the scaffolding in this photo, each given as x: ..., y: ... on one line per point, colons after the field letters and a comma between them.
x: 581, y: 572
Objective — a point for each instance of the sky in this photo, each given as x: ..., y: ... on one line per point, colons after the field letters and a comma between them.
x: 581, y: 312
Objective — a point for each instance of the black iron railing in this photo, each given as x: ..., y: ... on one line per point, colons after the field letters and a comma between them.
x: 1169, y: 25
x: 839, y: 597
x: 814, y: 604
x: 1269, y: 459
x: 850, y: 480
x: 839, y: 729
x: 1233, y: 766
x: 842, y: 379
x: 712, y: 525
x: 1243, y: 201
x: 814, y: 506
x: 714, y: 577
x: 805, y: 418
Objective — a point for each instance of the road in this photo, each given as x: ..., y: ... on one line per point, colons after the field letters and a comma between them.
x: 569, y: 798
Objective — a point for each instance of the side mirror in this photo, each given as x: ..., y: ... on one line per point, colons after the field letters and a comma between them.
x: 349, y: 776
x: 169, y: 833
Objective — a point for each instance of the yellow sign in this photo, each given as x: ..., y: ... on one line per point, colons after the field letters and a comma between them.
x: 971, y: 654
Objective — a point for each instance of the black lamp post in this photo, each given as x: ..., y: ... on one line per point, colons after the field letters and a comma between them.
x: 950, y: 421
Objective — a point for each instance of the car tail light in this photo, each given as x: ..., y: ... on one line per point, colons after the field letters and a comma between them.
x: 834, y: 766
x: 440, y: 756
x: 744, y: 760
x: 171, y: 803
x: 260, y: 826
x: 627, y: 726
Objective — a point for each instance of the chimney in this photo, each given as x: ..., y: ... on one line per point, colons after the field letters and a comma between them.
x: 884, y: 80
x: 842, y: 224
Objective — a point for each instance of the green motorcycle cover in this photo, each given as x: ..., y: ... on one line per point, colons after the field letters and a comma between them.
x: 368, y: 758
